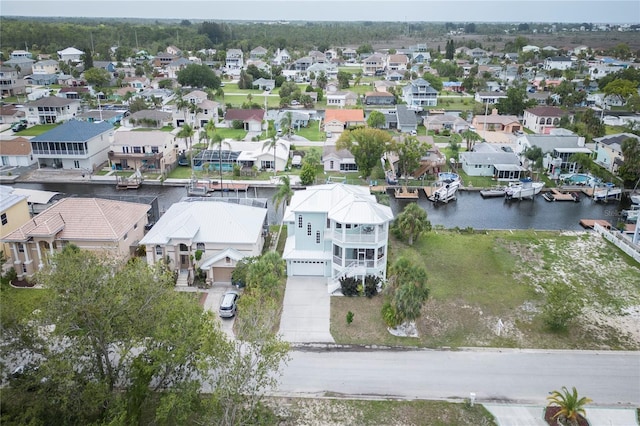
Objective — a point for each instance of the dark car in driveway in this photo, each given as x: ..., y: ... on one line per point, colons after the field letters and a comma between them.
x: 20, y: 125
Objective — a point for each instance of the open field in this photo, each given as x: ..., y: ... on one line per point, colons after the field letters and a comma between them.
x: 478, y: 279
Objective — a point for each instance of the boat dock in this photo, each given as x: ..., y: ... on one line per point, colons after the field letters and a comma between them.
x: 405, y: 193
x: 590, y: 223
x: 215, y: 186
x: 554, y: 195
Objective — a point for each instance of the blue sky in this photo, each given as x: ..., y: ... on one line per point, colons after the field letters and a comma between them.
x: 596, y: 11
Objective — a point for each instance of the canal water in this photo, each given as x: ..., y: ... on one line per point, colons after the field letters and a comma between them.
x: 469, y: 210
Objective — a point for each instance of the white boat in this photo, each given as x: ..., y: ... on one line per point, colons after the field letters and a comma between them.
x: 446, y: 192
x: 526, y: 188
x: 635, y: 198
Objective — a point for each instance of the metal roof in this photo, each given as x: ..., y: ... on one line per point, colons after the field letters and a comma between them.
x: 74, y: 131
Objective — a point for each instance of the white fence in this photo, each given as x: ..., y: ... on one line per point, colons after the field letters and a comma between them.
x: 620, y: 241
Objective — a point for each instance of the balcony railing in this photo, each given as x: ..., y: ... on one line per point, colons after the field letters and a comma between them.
x: 366, y: 263
x: 59, y: 152
x: 134, y: 155
x: 359, y: 237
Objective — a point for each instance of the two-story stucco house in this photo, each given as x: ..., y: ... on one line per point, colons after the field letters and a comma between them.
x: 557, y: 63
x: 374, y: 64
x: 608, y: 150
x: 14, y: 212
x: 542, y: 119
x: 336, y: 230
x: 153, y: 150
x: 73, y: 145
x: 199, y: 111
x: 223, y: 233
x: 51, y: 109
x: 111, y: 228
x: 11, y: 84
x: 234, y: 59
x: 419, y: 93
x: 48, y: 66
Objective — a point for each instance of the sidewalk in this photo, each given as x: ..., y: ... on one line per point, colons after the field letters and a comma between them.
x: 532, y: 415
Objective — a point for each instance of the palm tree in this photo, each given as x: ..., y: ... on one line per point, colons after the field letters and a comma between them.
x: 286, y: 122
x: 283, y: 195
x: 412, y: 222
x: 272, y: 143
x: 471, y: 138
x: 571, y: 407
x: 186, y: 132
x: 182, y: 104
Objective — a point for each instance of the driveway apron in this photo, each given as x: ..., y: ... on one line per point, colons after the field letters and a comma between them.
x: 306, y: 311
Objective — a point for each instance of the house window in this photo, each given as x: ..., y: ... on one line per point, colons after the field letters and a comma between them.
x: 24, y: 268
x: 21, y: 248
x: 76, y: 164
x: 309, y: 229
x: 227, y: 260
x: 158, y: 250
x: 299, y: 221
x: 338, y: 225
x: 154, y: 150
x: 4, y: 218
x: 135, y: 226
x: 126, y: 236
x: 200, y: 246
x: 317, y: 237
x: 137, y: 150
x: 328, y: 223
x: 183, y: 247
x: 337, y: 250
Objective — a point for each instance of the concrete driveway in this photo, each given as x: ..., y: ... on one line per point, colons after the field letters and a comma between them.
x: 306, y: 311
x: 212, y: 303
x: 529, y: 415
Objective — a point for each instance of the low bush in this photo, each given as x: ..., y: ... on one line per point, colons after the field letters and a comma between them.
x: 349, y: 286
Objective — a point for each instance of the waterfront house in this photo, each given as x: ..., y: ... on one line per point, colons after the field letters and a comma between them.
x: 220, y: 233
x: 406, y: 119
x: 108, y: 227
x: 14, y: 212
x: 557, y: 147
x: 199, y: 111
x: 16, y: 152
x: 10, y: 82
x: 440, y: 122
x: 338, y: 160
x: 490, y: 98
x: 336, y: 230
x: 153, y: 150
x: 148, y: 118
x: 73, y: 145
x: 341, y: 99
x: 379, y: 98
x: 608, y: 150
x: 489, y: 160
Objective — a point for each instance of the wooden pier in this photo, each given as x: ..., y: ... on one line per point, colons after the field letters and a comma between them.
x: 405, y: 193
x: 590, y: 223
x: 215, y: 186
x: 556, y: 195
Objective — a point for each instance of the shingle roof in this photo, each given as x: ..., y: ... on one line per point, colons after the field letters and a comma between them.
x: 16, y: 146
x: 151, y: 114
x: 208, y: 222
x: 546, y: 111
x: 52, y: 101
x: 406, y: 117
x: 244, y: 114
x: 617, y: 138
x: 83, y: 219
x: 74, y: 131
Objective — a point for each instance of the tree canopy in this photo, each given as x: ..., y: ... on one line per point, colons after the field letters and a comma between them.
x: 366, y: 145
x: 195, y: 75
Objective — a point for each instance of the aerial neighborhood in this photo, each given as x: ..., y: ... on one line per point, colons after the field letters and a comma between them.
x: 353, y: 143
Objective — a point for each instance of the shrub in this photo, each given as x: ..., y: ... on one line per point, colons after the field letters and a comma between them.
x: 389, y: 314
x: 349, y: 317
x: 371, y: 285
x: 349, y: 286
x: 562, y: 306
x: 238, y: 124
x: 236, y: 170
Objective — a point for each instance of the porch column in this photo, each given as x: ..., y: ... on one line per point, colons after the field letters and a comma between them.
x: 40, y: 265
x: 27, y: 259
x: 14, y: 248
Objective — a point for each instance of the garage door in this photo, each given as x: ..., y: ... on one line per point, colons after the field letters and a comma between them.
x: 307, y: 268
x: 222, y: 275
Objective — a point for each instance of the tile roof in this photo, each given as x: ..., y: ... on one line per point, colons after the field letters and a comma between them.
x: 14, y: 147
x: 344, y: 115
x: 75, y: 219
x: 74, y: 131
x: 208, y: 222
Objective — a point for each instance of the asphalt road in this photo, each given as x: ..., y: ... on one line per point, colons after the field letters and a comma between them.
x: 509, y: 376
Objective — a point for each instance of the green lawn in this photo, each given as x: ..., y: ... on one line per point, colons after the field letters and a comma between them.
x: 465, y: 104
x: 37, y: 130
x: 312, y: 132
x: 148, y: 129
x: 478, y: 278
x: 227, y: 133
x: 237, y: 100
x: 23, y: 301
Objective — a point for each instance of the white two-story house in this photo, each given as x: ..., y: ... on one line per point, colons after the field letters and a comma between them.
x: 51, y: 109
x: 419, y: 93
x: 199, y: 111
x: 234, y: 59
x: 336, y: 230
x: 73, y: 145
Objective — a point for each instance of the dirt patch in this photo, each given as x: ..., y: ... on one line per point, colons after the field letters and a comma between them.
x: 22, y: 284
x: 551, y: 411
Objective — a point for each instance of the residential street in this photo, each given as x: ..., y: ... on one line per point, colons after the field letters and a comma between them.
x: 506, y: 376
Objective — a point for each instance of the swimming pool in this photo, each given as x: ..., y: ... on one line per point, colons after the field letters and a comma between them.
x: 579, y: 179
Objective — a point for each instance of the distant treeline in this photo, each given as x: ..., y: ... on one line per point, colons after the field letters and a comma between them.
x: 48, y: 35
